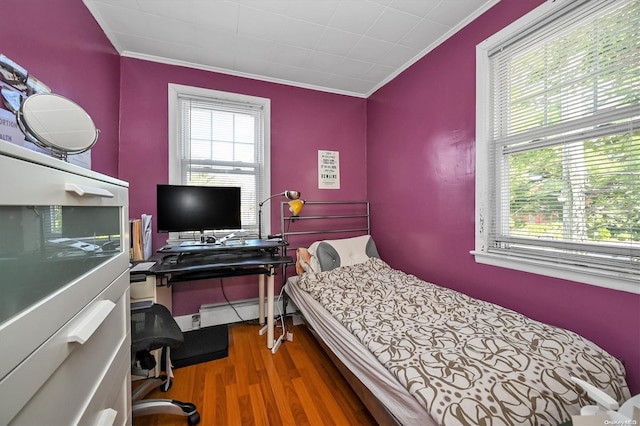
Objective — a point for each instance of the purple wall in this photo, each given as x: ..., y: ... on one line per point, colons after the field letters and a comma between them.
x: 65, y: 48
x: 302, y: 122
x: 421, y: 154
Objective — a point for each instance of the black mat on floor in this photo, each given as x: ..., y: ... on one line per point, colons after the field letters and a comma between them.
x: 202, y: 345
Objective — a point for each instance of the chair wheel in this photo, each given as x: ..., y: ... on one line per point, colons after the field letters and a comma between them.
x: 193, y: 419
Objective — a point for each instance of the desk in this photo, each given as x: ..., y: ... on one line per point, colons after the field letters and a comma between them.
x: 251, y: 257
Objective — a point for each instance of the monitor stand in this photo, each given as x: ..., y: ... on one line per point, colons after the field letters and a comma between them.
x: 203, y: 241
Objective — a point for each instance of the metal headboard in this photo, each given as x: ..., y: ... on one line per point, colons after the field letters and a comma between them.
x: 321, y: 220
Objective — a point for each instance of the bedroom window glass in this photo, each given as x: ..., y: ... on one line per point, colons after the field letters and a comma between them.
x: 220, y: 139
x: 558, y: 144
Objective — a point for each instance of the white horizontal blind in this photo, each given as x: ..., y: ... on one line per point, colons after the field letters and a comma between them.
x: 565, y: 139
x: 221, y: 145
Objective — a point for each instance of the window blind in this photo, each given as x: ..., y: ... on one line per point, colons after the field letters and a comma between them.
x: 564, y: 139
x: 221, y: 144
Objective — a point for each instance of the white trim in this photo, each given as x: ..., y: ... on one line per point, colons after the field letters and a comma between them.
x: 482, y: 151
x: 579, y: 274
x: 167, y: 61
x: 566, y: 272
x: 174, y: 145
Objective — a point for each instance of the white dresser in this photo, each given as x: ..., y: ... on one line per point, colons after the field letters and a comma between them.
x: 64, y: 293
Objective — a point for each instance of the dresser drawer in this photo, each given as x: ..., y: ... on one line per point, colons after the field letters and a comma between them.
x: 24, y: 333
x: 58, y: 183
x: 111, y: 404
x: 56, y: 383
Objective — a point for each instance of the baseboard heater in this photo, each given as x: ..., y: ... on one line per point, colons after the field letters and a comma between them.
x: 222, y: 313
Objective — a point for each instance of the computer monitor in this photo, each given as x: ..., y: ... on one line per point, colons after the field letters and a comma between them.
x: 183, y: 208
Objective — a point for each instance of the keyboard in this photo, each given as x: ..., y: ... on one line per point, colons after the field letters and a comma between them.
x: 142, y: 267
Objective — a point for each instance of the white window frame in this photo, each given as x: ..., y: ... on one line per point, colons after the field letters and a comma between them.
x: 616, y: 281
x: 175, y: 164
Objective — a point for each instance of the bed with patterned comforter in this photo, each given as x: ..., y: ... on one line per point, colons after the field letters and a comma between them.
x: 468, y: 362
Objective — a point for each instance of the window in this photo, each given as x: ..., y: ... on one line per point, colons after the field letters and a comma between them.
x: 221, y: 139
x: 558, y: 144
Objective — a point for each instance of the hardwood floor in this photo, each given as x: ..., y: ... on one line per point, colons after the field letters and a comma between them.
x: 297, y: 385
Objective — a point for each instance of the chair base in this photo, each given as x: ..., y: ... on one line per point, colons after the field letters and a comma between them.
x: 145, y: 407
x: 166, y: 406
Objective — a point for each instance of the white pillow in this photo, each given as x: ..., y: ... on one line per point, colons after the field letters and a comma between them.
x: 329, y: 254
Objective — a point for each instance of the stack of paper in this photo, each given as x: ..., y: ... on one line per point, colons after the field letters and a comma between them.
x: 141, y: 238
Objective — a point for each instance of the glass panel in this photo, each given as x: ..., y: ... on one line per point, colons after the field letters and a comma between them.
x: 44, y: 248
x: 584, y: 191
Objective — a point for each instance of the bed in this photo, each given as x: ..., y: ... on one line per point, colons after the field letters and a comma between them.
x: 418, y: 353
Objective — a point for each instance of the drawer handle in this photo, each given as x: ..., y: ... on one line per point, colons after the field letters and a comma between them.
x: 84, y: 191
x: 90, y: 321
x: 106, y: 417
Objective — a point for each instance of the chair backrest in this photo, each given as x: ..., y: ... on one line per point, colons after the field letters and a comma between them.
x: 153, y: 327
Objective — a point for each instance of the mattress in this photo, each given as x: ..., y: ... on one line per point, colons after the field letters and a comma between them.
x: 359, y: 360
x: 461, y: 360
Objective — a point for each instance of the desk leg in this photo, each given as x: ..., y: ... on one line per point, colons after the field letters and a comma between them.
x: 261, y: 299
x: 272, y: 343
x: 270, y: 296
x: 270, y: 293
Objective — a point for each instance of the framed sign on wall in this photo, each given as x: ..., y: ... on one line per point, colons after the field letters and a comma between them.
x: 328, y: 169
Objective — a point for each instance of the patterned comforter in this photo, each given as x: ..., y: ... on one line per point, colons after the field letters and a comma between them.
x: 468, y: 362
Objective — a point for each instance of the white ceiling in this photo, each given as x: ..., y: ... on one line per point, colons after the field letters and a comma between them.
x: 342, y: 46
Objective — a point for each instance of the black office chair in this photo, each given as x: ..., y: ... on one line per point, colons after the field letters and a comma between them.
x: 153, y: 327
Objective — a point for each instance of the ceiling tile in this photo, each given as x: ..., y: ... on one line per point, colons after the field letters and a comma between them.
x: 323, y: 62
x: 221, y: 15
x: 289, y: 55
x: 212, y: 38
x: 337, y: 42
x: 318, y: 12
x: 416, y: 7
x: 378, y: 72
x: 370, y: 50
x: 355, y: 16
x: 285, y: 72
x: 351, y: 84
x: 219, y: 58
x: 425, y: 30
x: 121, y: 3
x: 254, y: 48
x: 317, y: 78
x: 398, y: 56
x: 260, y: 24
x: 121, y: 20
x: 299, y: 33
x: 392, y: 25
x: 273, y: 6
x: 451, y: 12
x: 355, y: 68
x: 249, y: 65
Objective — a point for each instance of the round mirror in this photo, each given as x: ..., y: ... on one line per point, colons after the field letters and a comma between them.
x: 53, y: 121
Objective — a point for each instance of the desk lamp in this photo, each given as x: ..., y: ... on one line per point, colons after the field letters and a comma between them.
x: 295, y: 206
x: 291, y: 195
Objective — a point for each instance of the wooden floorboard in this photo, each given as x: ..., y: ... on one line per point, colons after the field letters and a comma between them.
x: 297, y: 385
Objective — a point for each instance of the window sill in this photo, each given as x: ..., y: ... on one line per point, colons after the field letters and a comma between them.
x: 583, y: 275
